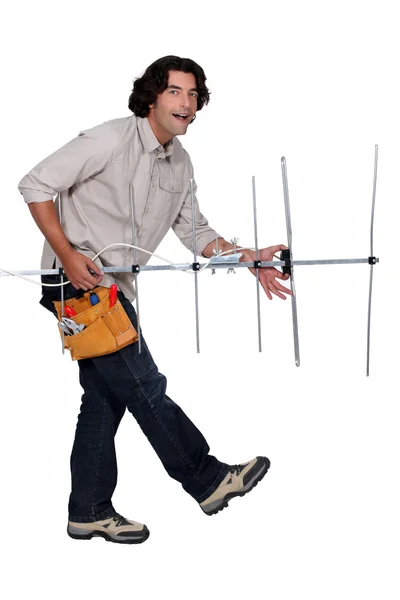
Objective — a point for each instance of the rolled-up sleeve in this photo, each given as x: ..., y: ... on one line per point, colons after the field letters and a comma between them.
x: 84, y: 156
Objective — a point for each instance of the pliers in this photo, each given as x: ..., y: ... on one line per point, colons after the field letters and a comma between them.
x: 69, y: 327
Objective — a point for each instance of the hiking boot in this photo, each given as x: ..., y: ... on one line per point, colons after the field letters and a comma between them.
x: 114, y: 529
x: 239, y: 480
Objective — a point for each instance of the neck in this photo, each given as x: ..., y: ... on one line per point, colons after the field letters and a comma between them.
x: 162, y: 136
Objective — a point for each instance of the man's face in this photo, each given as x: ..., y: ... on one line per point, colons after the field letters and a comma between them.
x: 175, y: 107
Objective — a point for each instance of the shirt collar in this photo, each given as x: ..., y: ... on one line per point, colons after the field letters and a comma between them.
x: 150, y: 142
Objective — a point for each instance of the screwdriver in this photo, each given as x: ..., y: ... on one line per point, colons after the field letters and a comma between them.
x: 113, y: 294
x: 94, y: 299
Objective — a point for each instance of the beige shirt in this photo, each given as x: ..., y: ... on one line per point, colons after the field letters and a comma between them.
x: 91, y: 174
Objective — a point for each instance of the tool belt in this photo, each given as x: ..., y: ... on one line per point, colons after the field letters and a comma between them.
x: 107, y: 329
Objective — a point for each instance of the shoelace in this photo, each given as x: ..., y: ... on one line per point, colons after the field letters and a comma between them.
x: 236, y: 469
x: 120, y: 520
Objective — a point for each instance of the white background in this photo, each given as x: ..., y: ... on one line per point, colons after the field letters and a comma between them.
x: 316, y: 82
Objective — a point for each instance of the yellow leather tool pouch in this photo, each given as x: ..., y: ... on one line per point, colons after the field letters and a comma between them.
x: 106, y: 329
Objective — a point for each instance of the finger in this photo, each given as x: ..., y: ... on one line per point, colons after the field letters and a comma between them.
x: 275, y: 291
x: 86, y: 281
x: 284, y: 276
x: 92, y: 280
x: 97, y: 276
x: 279, y: 274
x: 274, y: 284
x: 93, y: 267
x: 280, y: 287
x: 94, y: 277
x: 75, y: 282
x: 90, y: 285
x: 274, y: 249
x: 265, y: 286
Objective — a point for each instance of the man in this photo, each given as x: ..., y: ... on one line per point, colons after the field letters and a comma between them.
x: 91, y: 175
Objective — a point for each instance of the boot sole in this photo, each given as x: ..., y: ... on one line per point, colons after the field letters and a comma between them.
x: 127, y: 540
x: 219, y: 505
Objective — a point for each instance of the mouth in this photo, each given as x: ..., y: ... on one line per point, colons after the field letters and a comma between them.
x: 181, y: 116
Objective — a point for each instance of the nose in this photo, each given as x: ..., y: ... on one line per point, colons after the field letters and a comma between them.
x: 184, y: 103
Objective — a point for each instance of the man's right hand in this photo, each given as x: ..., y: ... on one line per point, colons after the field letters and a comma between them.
x: 75, y: 264
x: 76, y: 267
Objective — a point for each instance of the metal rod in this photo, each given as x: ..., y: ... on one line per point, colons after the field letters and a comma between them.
x: 61, y: 278
x: 257, y: 270
x: 187, y: 266
x: 134, y: 262
x: 371, y: 270
x: 371, y: 274
x: 196, y: 288
x: 292, y: 284
x: 371, y: 236
x: 215, y: 252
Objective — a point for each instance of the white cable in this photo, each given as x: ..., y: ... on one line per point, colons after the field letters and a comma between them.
x: 220, y: 254
x: 189, y: 271
x: 93, y: 259
x: 131, y: 246
x: 26, y: 278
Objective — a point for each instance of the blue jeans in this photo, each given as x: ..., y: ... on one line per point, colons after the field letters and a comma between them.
x: 128, y: 380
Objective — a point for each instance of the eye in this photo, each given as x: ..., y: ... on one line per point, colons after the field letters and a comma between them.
x: 194, y: 94
x: 173, y: 91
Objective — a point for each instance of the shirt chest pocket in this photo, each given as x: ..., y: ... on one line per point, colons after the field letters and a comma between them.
x: 165, y: 198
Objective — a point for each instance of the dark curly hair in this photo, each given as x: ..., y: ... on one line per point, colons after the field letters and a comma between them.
x: 155, y: 80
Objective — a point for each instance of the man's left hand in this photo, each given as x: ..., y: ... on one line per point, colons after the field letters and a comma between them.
x: 268, y: 276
